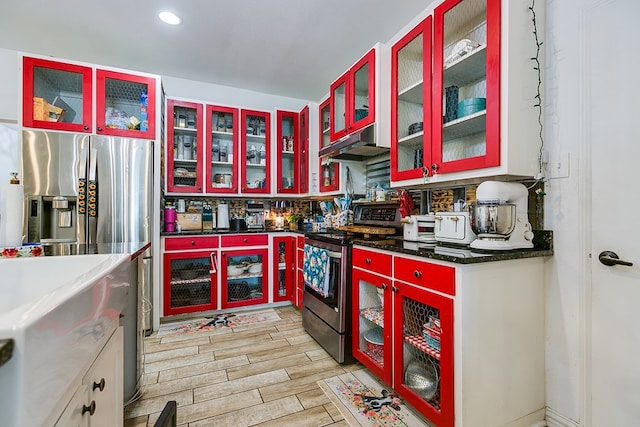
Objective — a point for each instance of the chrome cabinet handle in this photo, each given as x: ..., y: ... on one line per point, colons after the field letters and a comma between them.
x: 367, y: 260
x: 610, y: 258
x: 417, y: 274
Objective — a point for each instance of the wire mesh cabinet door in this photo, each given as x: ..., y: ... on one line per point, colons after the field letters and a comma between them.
x: 423, y: 351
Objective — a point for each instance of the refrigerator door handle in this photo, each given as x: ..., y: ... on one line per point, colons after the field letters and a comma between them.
x: 93, y: 197
x: 214, y: 263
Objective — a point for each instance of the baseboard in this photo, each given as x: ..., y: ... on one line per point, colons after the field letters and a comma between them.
x: 554, y: 419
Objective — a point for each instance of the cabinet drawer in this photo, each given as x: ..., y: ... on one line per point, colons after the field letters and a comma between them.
x: 300, y: 241
x: 245, y: 240
x: 432, y: 276
x: 373, y: 261
x: 190, y: 242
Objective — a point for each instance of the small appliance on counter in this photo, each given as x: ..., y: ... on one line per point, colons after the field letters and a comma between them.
x: 419, y: 228
x: 254, y: 216
x: 223, y: 216
x: 454, y: 228
x: 500, y: 217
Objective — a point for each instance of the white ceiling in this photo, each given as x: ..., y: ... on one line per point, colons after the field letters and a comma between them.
x: 293, y: 48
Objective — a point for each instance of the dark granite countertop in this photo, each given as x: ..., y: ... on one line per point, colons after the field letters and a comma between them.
x: 134, y: 249
x: 227, y: 231
x: 543, y: 246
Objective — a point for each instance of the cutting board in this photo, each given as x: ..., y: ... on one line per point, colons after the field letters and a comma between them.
x: 367, y: 231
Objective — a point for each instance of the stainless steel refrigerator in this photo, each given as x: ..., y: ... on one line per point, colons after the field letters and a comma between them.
x: 87, y: 190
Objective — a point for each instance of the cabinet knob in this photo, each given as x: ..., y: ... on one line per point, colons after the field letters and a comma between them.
x: 193, y: 243
x: 86, y: 127
x: 417, y: 274
x: 245, y: 240
x: 367, y: 260
x: 384, y: 286
x: 99, y: 385
x: 394, y: 289
x: 91, y: 409
x: 99, y: 129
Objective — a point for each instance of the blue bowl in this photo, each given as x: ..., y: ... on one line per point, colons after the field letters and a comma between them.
x: 361, y: 113
x: 471, y: 105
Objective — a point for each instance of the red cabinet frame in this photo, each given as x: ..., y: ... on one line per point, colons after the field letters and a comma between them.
x: 167, y: 280
x: 284, y: 268
x: 170, y: 158
x: 101, y: 104
x: 292, y: 155
x: 29, y: 92
x: 243, y: 152
x: 209, y: 175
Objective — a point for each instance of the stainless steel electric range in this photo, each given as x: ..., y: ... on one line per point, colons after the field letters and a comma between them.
x: 326, y: 313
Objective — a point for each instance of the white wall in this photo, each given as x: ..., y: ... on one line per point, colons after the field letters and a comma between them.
x: 563, y: 319
x: 9, y: 85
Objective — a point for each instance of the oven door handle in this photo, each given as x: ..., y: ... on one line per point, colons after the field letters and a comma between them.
x: 333, y: 254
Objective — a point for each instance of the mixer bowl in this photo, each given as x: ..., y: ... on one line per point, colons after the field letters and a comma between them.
x: 493, y: 219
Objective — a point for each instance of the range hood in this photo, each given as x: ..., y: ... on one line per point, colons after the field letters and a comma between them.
x: 357, y: 146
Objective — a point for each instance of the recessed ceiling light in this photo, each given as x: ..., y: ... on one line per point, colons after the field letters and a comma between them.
x: 169, y: 18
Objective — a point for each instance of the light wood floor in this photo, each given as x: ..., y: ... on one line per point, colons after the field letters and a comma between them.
x: 263, y: 375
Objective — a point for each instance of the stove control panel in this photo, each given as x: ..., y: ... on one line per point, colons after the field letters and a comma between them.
x: 386, y: 215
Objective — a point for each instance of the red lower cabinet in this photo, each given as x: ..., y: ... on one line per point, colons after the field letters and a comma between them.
x: 190, y: 280
x: 244, y: 277
x: 403, y: 332
x: 299, y: 287
x: 423, y: 351
x: 284, y: 268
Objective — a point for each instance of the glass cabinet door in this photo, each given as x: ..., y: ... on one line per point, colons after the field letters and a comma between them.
x: 303, y: 173
x: 244, y: 277
x: 362, y: 93
x: 56, y: 95
x: 255, y: 158
x: 338, y: 108
x: 185, y: 149
x: 125, y: 105
x: 329, y: 175
x: 372, y: 324
x: 288, y: 153
x: 221, y: 150
x: 466, y: 84
x: 411, y: 100
x: 284, y: 268
x: 190, y: 282
x: 325, y: 127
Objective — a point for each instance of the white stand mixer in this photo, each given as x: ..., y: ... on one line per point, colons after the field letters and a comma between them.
x: 493, y: 222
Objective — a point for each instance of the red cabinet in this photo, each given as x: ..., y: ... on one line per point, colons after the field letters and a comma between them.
x: 244, y: 277
x: 401, y: 327
x: 64, y: 85
x: 284, y: 268
x: 190, y: 274
x: 121, y: 100
x: 324, y: 124
x: 329, y: 175
x: 423, y: 343
x: 255, y: 152
x: 466, y: 74
x: 221, y: 147
x: 303, y: 158
x: 184, y: 147
x: 288, y: 154
x: 411, y: 103
x: 353, y: 98
x: 59, y: 96
x: 299, y: 284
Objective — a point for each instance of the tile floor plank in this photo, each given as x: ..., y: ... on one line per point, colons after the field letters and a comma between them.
x: 261, y: 374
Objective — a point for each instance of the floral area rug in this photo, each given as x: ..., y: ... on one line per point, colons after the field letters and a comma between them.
x: 222, y: 320
x: 363, y: 401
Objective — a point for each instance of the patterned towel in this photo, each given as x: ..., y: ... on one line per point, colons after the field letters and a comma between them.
x: 316, y: 269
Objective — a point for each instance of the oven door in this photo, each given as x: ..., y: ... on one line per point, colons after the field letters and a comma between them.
x: 330, y: 302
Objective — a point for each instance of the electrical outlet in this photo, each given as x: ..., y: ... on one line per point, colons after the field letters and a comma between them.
x: 559, y: 165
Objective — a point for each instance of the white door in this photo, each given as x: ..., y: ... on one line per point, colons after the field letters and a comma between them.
x: 612, y: 71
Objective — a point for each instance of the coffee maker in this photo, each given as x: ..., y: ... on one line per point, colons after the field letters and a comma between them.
x: 499, y: 218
